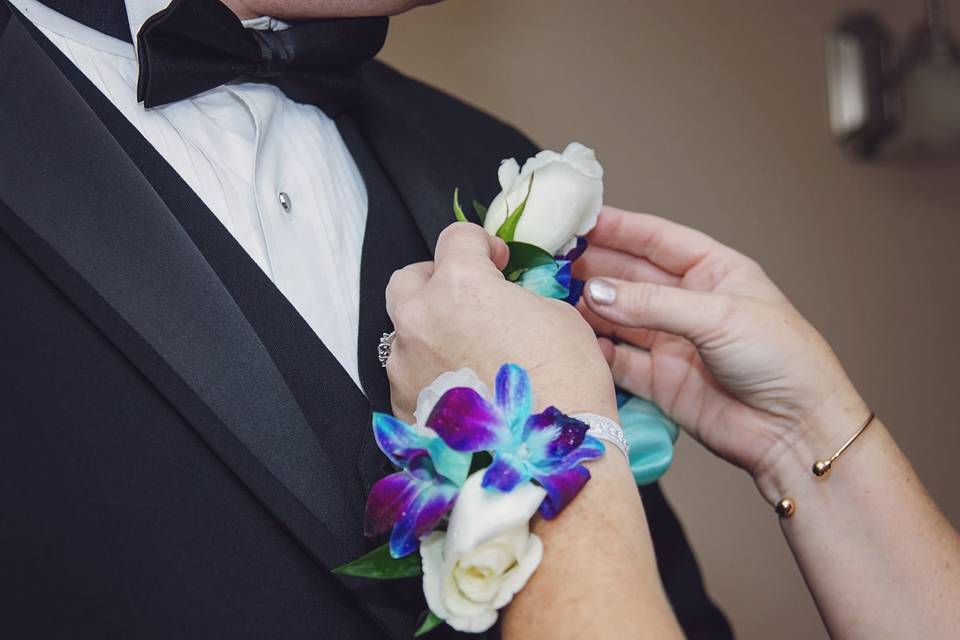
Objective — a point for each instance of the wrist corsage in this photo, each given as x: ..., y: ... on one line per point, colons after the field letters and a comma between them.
x: 473, y: 470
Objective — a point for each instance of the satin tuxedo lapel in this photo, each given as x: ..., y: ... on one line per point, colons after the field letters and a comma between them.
x: 110, y: 242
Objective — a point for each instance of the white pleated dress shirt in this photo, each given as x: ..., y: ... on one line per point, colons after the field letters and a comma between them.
x: 275, y: 172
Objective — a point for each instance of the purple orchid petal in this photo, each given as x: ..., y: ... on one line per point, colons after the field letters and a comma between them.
x: 590, y: 449
x: 514, y: 396
x: 561, y: 488
x: 422, y: 468
x: 389, y: 498
x: 422, y: 517
x: 397, y: 439
x: 564, y: 274
x: 571, y: 285
x: 576, y: 292
x: 467, y: 422
x: 565, y: 434
x: 433, y: 506
x: 505, y: 473
x: 577, y: 250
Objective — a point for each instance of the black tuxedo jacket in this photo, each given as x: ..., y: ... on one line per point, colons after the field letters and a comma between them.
x: 180, y: 456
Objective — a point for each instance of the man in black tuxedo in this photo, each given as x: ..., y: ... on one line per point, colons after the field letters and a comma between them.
x: 181, y: 454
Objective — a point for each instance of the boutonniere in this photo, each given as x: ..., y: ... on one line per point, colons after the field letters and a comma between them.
x: 543, y: 212
x: 473, y: 470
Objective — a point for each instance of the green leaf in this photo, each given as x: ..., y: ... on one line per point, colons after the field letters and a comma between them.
x: 430, y: 621
x: 381, y: 565
x: 525, y: 256
x: 457, y: 210
x: 509, y: 227
x: 480, y: 460
x: 481, y: 210
x: 513, y: 276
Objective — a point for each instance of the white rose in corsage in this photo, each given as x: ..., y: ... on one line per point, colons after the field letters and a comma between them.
x: 472, y: 473
x: 542, y: 212
x: 486, y: 555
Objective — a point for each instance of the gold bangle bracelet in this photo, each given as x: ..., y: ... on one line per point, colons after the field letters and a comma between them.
x: 787, y: 506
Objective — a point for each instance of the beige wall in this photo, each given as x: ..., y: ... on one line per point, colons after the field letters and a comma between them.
x: 713, y: 114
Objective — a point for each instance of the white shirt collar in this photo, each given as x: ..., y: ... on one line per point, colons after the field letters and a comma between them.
x: 138, y: 11
x: 265, y: 23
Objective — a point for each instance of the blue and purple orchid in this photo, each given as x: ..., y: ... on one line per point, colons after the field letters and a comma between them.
x: 414, y: 500
x: 546, y: 447
x: 555, y: 279
x: 434, y: 459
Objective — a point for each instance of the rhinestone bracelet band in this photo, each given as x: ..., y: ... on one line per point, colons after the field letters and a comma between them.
x: 603, y: 428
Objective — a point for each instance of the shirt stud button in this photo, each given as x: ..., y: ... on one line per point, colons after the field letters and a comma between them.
x: 285, y: 203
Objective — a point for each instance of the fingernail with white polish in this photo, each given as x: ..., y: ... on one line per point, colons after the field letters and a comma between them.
x: 601, y: 292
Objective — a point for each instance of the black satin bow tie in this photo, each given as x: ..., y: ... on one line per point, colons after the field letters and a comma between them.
x: 196, y: 45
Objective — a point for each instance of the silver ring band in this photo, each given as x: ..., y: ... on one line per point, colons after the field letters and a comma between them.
x: 385, y: 347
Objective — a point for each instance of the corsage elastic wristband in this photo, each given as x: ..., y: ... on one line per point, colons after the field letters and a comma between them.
x: 603, y: 428
x: 787, y: 506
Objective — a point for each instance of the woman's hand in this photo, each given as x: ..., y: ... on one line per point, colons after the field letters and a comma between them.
x: 710, y: 339
x: 459, y: 311
x: 706, y: 335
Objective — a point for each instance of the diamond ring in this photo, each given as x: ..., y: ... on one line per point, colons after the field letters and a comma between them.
x: 385, y: 346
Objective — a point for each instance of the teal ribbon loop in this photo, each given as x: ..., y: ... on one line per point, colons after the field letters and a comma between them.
x: 651, y: 435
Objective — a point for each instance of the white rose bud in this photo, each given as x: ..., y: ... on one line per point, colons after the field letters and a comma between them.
x: 564, y: 201
x: 486, y: 555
